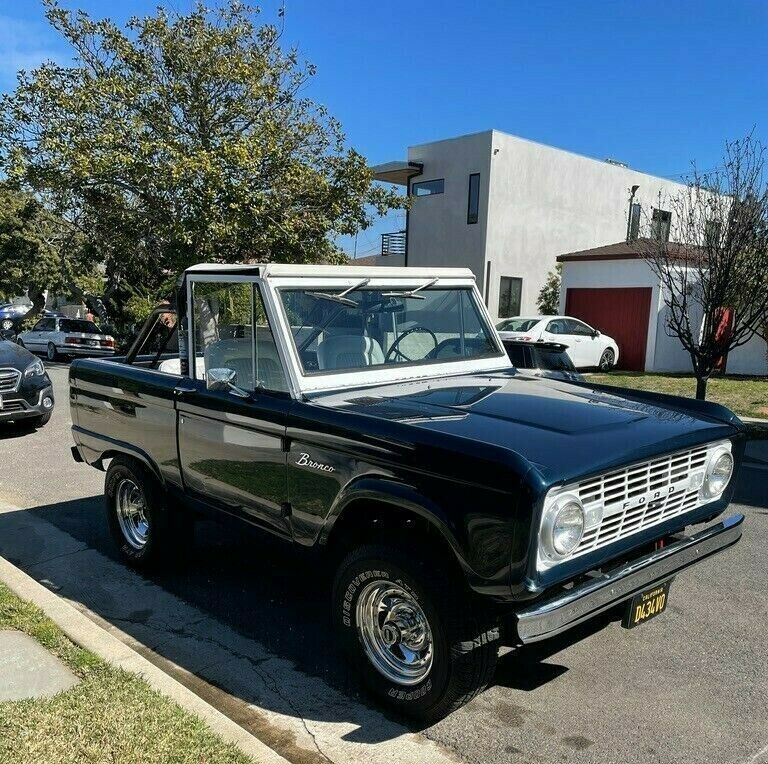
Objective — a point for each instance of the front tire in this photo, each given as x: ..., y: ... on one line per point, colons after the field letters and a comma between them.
x: 422, y: 647
x: 607, y: 360
x: 146, y: 531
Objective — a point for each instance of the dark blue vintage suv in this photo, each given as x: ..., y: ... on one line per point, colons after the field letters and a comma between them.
x: 372, y: 413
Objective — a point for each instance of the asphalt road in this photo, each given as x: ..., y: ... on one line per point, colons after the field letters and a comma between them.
x: 246, y: 621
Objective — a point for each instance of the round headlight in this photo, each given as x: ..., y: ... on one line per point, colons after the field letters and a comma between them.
x: 567, y: 527
x: 719, y: 471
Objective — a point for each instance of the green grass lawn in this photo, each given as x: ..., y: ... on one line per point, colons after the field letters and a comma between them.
x: 745, y: 396
x: 111, y: 716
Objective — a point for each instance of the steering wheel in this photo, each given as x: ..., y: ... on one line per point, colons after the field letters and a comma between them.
x: 395, y: 346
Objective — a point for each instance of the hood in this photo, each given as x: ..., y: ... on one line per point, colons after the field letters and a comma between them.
x: 565, y: 430
x: 14, y: 356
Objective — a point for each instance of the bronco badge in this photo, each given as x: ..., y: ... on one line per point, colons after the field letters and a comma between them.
x: 305, y: 461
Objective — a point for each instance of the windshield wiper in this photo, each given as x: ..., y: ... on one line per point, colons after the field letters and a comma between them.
x: 412, y: 293
x: 341, y: 297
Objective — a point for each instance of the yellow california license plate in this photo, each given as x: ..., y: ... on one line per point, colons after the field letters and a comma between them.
x: 646, y: 605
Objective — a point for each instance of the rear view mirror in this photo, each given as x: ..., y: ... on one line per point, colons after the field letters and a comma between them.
x: 224, y: 380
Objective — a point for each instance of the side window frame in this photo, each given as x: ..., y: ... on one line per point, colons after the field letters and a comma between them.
x: 191, y: 344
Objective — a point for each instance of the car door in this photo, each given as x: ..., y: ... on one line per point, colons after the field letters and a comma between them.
x: 588, y: 346
x: 36, y: 339
x: 232, y: 439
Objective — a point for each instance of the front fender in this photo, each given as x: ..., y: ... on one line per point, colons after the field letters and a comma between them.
x: 481, y: 540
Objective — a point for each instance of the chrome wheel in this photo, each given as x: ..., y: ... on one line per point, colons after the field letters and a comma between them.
x: 607, y: 361
x: 394, y: 632
x: 131, y: 513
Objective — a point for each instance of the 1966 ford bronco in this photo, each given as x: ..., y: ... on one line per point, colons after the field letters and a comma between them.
x: 373, y: 414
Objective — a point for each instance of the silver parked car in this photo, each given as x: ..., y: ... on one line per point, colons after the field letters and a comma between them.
x: 60, y: 337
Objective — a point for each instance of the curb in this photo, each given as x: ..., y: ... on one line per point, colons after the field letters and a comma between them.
x: 82, y: 630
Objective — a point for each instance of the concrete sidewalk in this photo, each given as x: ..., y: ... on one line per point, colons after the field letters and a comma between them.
x: 173, y: 643
x: 36, y: 673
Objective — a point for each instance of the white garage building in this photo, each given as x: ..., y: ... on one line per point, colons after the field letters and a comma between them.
x: 615, y: 290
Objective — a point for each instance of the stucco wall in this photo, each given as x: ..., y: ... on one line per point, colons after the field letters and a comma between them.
x: 545, y: 202
x: 438, y: 233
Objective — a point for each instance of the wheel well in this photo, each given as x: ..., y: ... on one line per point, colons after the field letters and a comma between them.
x: 368, y: 521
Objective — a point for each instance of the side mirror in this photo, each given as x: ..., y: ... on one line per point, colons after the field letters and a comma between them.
x: 224, y: 380
x: 596, y: 333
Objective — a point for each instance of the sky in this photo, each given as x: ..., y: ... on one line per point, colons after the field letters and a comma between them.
x: 655, y: 84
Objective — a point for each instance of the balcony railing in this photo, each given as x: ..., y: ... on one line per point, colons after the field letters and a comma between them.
x: 393, y: 243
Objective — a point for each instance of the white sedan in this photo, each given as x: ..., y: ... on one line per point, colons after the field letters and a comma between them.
x: 587, y: 347
x: 57, y: 337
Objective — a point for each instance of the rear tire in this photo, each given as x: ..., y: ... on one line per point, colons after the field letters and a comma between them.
x: 422, y: 647
x: 51, y: 353
x: 607, y: 360
x: 145, y: 529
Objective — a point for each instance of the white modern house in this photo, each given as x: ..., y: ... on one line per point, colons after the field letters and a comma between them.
x: 506, y: 207
x: 615, y: 289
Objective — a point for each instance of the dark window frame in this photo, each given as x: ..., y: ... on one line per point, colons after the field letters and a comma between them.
x: 635, y: 212
x: 511, y: 279
x: 473, y: 200
x: 425, y: 183
x: 661, y: 224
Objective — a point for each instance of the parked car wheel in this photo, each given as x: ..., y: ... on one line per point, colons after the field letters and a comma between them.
x: 419, y: 645
x: 6, y: 324
x: 51, y: 353
x: 607, y: 360
x: 145, y: 529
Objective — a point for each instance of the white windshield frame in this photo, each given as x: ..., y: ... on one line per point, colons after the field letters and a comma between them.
x: 375, y: 375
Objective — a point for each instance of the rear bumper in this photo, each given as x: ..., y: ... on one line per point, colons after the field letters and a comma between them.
x: 544, y: 619
x: 84, y: 351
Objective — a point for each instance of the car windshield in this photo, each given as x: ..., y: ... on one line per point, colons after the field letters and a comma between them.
x: 517, y: 324
x: 78, y: 325
x: 337, y: 330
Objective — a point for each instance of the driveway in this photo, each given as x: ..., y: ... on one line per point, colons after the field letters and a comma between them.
x: 245, y: 624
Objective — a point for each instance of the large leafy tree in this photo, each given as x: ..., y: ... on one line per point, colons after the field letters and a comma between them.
x: 35, y: 247
x: 185, y: 138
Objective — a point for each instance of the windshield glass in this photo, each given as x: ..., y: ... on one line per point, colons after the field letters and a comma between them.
x: 337, y: 331
x: 77, y: 325
x: 517, y: 324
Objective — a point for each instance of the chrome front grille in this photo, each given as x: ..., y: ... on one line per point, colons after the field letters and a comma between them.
x: 640, y: 496
x: 9, y: 380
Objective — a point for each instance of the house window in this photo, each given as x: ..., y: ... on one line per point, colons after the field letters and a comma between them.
x: 660, y: 223
x: 473, y: 202
x: 510, y: 292
x: 428, y: 187
x: 634, y: 222
x: 712, y: 230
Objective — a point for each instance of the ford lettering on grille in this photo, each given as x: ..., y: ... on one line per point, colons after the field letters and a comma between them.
x: 639, y: 496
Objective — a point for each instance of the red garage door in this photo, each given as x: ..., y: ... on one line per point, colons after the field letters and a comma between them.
x: 620, y: 313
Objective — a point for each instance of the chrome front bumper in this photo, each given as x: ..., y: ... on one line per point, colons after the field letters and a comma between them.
x: 544, y: 619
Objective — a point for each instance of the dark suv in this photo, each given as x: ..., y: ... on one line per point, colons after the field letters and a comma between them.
x: 25, y: 388
x: 542, y: 359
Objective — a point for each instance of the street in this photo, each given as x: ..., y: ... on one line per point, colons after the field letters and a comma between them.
x: 244, y: 623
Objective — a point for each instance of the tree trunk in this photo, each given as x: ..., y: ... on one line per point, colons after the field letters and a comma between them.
x: 701, y: 388
x: 38, y: 303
